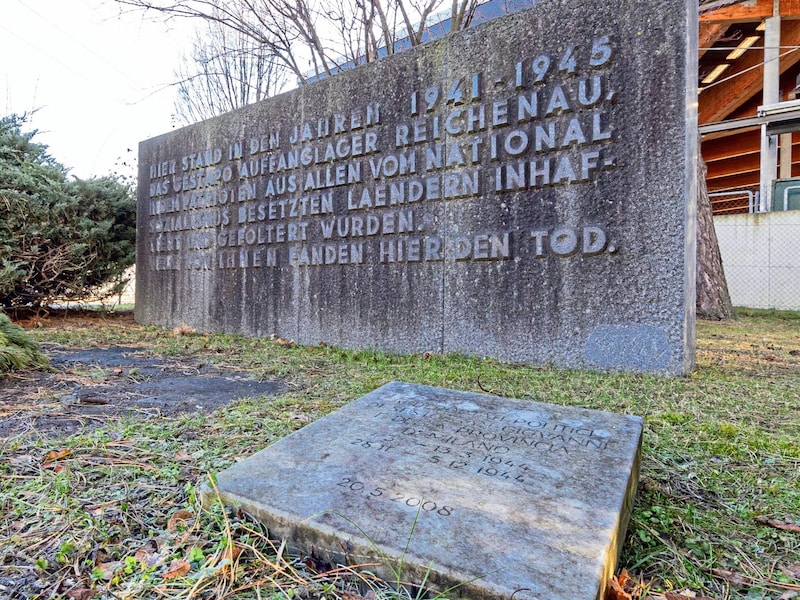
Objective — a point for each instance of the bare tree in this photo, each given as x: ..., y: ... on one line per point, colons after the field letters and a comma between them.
x: 462, y: 12
x: 226, y: 70
x: 311, y: 38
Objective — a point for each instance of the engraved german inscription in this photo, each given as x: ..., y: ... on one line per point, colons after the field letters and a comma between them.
x: 284, y: 195
x: 507, y: 191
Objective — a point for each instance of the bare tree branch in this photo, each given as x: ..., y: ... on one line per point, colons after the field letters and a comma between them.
x: 227, y: 70
x: 317, y: 36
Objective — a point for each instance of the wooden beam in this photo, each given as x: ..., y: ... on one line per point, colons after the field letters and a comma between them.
x: 790, y: 8
x: 734, y: 145
x: 747, y: 163
x: 750, y: 108
x: 735, y: 182
x: 719, y: 101
x: 748, y: 12
x: 722, y: 171
x: 739, y: 13
x: 709, y: 34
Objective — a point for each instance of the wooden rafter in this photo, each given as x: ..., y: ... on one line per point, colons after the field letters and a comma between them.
x: 748, y: 163
x: 734, y: 182
x: 745, y: 163
x: 746, y: 77
x: 749, y: 12
x: 709, y: 34
x: 735, y: 144
x: 709, y: 5
x: 733, y: 156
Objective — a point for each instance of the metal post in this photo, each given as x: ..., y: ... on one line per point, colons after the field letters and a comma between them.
x: 772, y: 73
x: 769, y: 159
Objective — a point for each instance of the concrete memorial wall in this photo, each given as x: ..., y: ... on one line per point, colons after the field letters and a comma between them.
x: 522, y: 190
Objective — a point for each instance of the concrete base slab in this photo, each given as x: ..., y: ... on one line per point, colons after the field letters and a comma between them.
x: 500, y: 497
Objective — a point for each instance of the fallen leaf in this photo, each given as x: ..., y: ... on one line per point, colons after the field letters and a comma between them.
x: 178, y: 517
x: 56, y: 455
x: 623, y: 578
x: 148, y: 554
x: 149, y: 547
x: 792, y: 571
x: 232, y: 552
x: 81, y: 594
x: 782, y: 525
x: 183, y: 330
x: 177, y: 568
x: 789, y: 595
x: 731, y: 576
x: 109, y: 568
x: 685, y: 595
x: 615, y: 591
x: 632, y: 586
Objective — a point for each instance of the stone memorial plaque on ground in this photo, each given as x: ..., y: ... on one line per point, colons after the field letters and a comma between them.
x: 503, y: 498
x: 523, y: 190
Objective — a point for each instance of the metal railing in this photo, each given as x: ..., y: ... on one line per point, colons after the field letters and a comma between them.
x: 731, y: 205
x: 786, y: 195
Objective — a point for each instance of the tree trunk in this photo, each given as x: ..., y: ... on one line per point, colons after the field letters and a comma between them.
x: 713, y: 299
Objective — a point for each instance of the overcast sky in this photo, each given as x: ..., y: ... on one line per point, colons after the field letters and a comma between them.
x: 99, y: 80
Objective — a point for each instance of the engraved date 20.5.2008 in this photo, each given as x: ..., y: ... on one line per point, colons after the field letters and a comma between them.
x: 352, y: 485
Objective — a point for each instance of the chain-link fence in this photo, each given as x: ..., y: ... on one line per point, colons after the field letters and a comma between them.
x: 734, y: 202
x: 761, y: 257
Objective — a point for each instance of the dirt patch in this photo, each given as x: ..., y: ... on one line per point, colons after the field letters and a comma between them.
x: 87, y: 386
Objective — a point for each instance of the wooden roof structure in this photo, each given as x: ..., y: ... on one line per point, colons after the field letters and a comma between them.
x: 735, y: 40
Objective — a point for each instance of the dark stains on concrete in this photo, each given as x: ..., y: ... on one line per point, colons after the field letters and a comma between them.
x: 125, y: 381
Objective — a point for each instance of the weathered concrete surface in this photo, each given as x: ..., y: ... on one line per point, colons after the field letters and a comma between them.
x: 522, y: 190
x: 504, y: 497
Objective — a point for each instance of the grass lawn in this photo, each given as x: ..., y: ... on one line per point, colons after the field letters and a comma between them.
x: 111, y: 510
